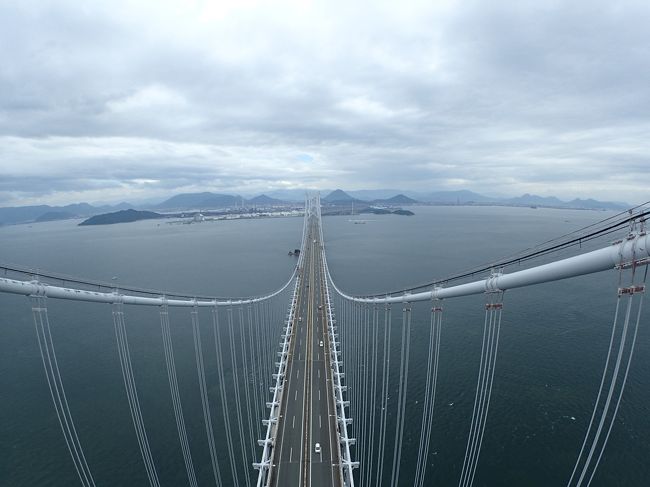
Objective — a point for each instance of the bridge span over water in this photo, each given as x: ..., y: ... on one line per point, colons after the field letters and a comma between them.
x: 309, y: 402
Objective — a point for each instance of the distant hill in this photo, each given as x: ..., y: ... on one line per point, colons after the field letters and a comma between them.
x: 206, y: 200
x: 122, y: 216
x: 533, y: 199
x: 55, y: 215
x: 384, y: 211
x: 375, y: 194
x: 26, y: 214
x: 597, y: 205
x: 397, y: 200
x: 221, y: 201
x: 263, y: 200
x: 462, y: 196
x: 340, y: 197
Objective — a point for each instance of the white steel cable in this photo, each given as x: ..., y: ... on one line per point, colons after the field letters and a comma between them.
x: 401, y: 395
x: 124, y: 354
x: 429, y: 395
x: 620, y: 394
x: 176, y: 398
x: 438, y: 328
x: 224, y: 398
x: 373, y: 395
x: 364, y: 396
x: 605, y: 410
x: 489, y: 350
x: 247, y: 381
x: 384, y: 392
x: 205, y: 403
x: 57, y: 391
x: 253, y: 377
x: 238, y: 407
x: 486, y: 406
x: 478, y: 394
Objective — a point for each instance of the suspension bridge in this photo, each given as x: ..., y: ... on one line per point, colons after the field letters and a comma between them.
x: 307, y: 392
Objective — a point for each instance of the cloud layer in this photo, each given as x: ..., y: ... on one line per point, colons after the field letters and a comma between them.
x: 131, y: 99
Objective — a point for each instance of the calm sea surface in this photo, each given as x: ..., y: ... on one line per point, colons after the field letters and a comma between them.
x: 554, y: 341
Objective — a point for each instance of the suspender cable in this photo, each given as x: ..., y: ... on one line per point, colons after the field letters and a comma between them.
x: 618, y: 338
x: 253, y: 377
x: 266, y: 346
x: 205, y: 403
x: 57, y: 391
x: 489, y: 348
x: 240, y: 421
x: 358, y: 352
x: 429, y: 395
x: 132, y: 393
x: 176, y: 398
x: 224, y: 398
x: 373, y: 394
x: 627, y: 370
x: 384, y: 392
x: 247, y: 381
x: 401, y: 395
x: 364, y: 396
x: 260, y: 345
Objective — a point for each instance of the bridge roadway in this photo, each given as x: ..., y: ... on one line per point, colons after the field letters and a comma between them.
x: 307, y: 414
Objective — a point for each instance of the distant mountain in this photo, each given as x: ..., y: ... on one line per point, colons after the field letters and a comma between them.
x: 397, y: 200
x: 21, y: 214
x: 55, y: 215
x: 597, y: 205
x: 221, y: 201
x: 462, y: 196
x: 340, y: 197
x: 263, y: 200
x: 122, y: 216
x: 533, y: 199
x: 39, y: 213
x: 374, y: 194
x: 293, y: 195
x: 186, y: 201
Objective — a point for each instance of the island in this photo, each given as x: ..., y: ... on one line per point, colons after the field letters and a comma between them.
x: 387, y: 211
x: 123, y: 216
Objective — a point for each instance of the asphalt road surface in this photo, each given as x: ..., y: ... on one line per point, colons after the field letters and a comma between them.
x: 307, y: 414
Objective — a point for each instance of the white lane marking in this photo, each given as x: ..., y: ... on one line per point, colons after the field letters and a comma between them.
x: 299, y: 356
x: 295, y: 396
x: 298, y: 373
x: 290, y: 454
x: 319, y: 394
x: 319, y: 373
x: 320, y: 425
x: 293, y: 423
x: 318, y: 356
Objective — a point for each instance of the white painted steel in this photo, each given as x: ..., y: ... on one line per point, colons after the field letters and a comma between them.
x: 635, y: 248
x: 265, y: 465
x: 347, y: 465
x: 37, y: 288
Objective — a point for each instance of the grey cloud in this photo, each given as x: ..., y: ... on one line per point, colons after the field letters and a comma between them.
x: 484, y: 92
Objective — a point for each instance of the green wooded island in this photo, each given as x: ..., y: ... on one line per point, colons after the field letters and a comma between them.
x: 123, y: 216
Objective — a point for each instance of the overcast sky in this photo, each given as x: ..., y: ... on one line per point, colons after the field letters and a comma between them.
x: 127, y: 100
